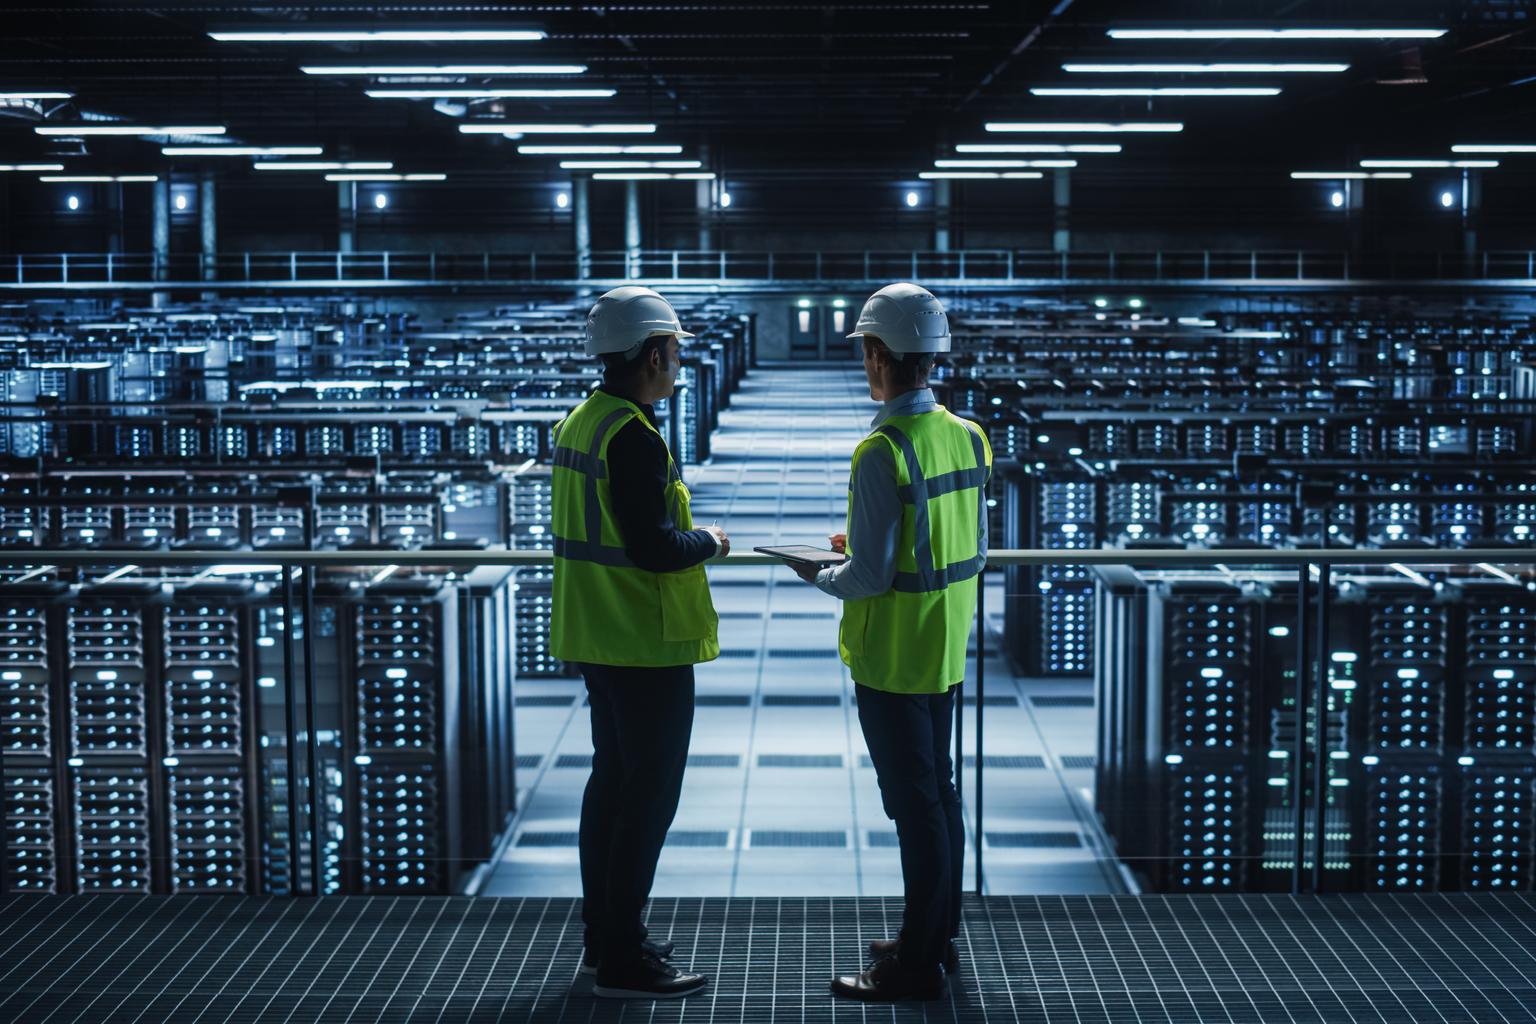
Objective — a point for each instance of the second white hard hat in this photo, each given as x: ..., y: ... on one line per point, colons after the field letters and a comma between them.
x: 907, y: 317
x: 624, y: 317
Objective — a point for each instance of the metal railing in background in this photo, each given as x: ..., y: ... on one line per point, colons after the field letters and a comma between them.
x: 191, y: 270
x: 1311, y: 639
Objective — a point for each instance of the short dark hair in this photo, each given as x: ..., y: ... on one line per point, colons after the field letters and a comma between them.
x: 911, y: 368
x: 616, y: 367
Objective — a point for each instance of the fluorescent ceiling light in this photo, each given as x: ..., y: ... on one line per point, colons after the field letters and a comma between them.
x: 110, y: 128
x: 1184, y: 68
x: 1494, y: 148
x: 1429, y: 163
x: 654, y: 176
x: 32, y: 94
x: 449, y: 92
x: 347, y: 35
x: 326, y: 165
x: 241, y: 150
x: 946, y: 175
x: 510, y: 128
x: 386, y: 177
x: 1038, y: 147
x: 598, y: 150
x: 1276, y: 33
x: 1347, y: 175
x: 1169, y: 90
x: 446, y: 69
x: 1073, y: 127
x: 99, y: 178
x: 31, y: 167
x: 631, y: 165
x: 1005, y: 163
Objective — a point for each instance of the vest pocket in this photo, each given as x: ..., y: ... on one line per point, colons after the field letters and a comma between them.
x: 687, y: 613
x: 855, y: 623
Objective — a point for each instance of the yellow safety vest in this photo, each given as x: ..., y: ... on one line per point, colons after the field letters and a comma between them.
x: 912, y: 638
x: 608, y: 611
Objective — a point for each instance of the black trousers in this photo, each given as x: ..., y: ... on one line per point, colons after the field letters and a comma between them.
x: 642, y: 719
x: 908, y: 736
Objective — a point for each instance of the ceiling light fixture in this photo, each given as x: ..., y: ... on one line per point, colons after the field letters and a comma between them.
x: 1429, y: 163
x: 326, y: 165
x: 1005, y: 163
x: 510, y: 128
x: 1348, y: 175
x: 489, y: 94
x: 109, y: 128
x: 654, y: 176
x: 1276, y: 33
x: 1495, y: 147
x: 31, y: 167
x: 99, y: 179
x: 1223, y: 68
x: 445, y: 69
x: 1039, y: 147
x: 347, y: 35
x: 1075, y: 127
x: 386, y: 177
x: 630, y: 165
x: 241, y: 150
x: 643, y: 150
x: 947, y: 175
x: 1170, y: 90
x: 32, y: 94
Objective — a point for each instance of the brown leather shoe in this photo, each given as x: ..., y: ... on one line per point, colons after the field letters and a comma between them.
x: 887, y: 981
x: 889, y: 947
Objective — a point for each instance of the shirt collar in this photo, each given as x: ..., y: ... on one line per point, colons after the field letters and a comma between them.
x: 908, y: 403
x: 650, y: 411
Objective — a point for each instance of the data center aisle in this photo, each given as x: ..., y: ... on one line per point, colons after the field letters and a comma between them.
x: 779, y: 797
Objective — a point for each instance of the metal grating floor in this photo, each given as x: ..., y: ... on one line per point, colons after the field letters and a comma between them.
x: 1084, y: 959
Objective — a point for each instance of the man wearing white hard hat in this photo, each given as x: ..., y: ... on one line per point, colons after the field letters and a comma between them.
x: 632, y: 610
x: 916, y: 543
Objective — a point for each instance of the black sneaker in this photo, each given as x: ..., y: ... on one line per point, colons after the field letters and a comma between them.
x: 660, y: 950
x: 887, y: 981
x: 889, y: 947
x: 646, y: 978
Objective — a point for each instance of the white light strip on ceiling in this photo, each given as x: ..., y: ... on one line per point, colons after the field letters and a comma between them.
x: 445, y: 69
x: 630, y: 165
x: 1075, y: 127
x: 1429, y: 163
x: 1276, y: 33
x: 448, y: 93
x: 654, y: 176
x: 31, y: 167
x: 1494, y: 147
x: 452, y: 35
x: 386, y: 177
x: 1039, y: 147
x: 1221, y: 68
x: 33, y: 94
x: 1347, y: 175
x: 510, y: 128
x: 241, y: 150
x: 1168, y: 90
x: 1005, y: 163
x: 946, y: 175
x: 128, y: 129
x: 98, y: 178
x: 645, y: 150
x: 326, y: 165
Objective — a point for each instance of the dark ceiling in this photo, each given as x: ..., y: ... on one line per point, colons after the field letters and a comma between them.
x: 780, y: 89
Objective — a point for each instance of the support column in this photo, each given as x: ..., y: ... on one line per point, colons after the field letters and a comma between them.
x: 346, y: 215
x: 160, y: 237
x: 1471, y: 206
x: 1354, y: 214
x: 941, y: 200
x: 114, y: 193
x: 208, y: 225
x: 1061, y: 205
x: 581, y: 222
x: 704, y: 205
x: 631, y: 229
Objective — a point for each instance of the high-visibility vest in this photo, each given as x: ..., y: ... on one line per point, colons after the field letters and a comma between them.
x: 607, y: 610
x: 912, y: 638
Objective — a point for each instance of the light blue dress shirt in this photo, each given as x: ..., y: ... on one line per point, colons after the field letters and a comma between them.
x: 874, y: 525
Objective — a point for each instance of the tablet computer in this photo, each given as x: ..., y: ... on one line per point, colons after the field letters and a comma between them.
x: 804, y: 553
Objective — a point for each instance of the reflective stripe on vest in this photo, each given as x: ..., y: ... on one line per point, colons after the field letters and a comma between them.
x: 591, y: 468
x: 917, y: 493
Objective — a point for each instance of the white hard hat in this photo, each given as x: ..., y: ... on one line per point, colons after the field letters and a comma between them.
x: 906, y: 317
x: 623, y: 318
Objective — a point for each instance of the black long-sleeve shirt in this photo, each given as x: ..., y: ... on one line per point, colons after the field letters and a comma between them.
x: 637, y: 482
